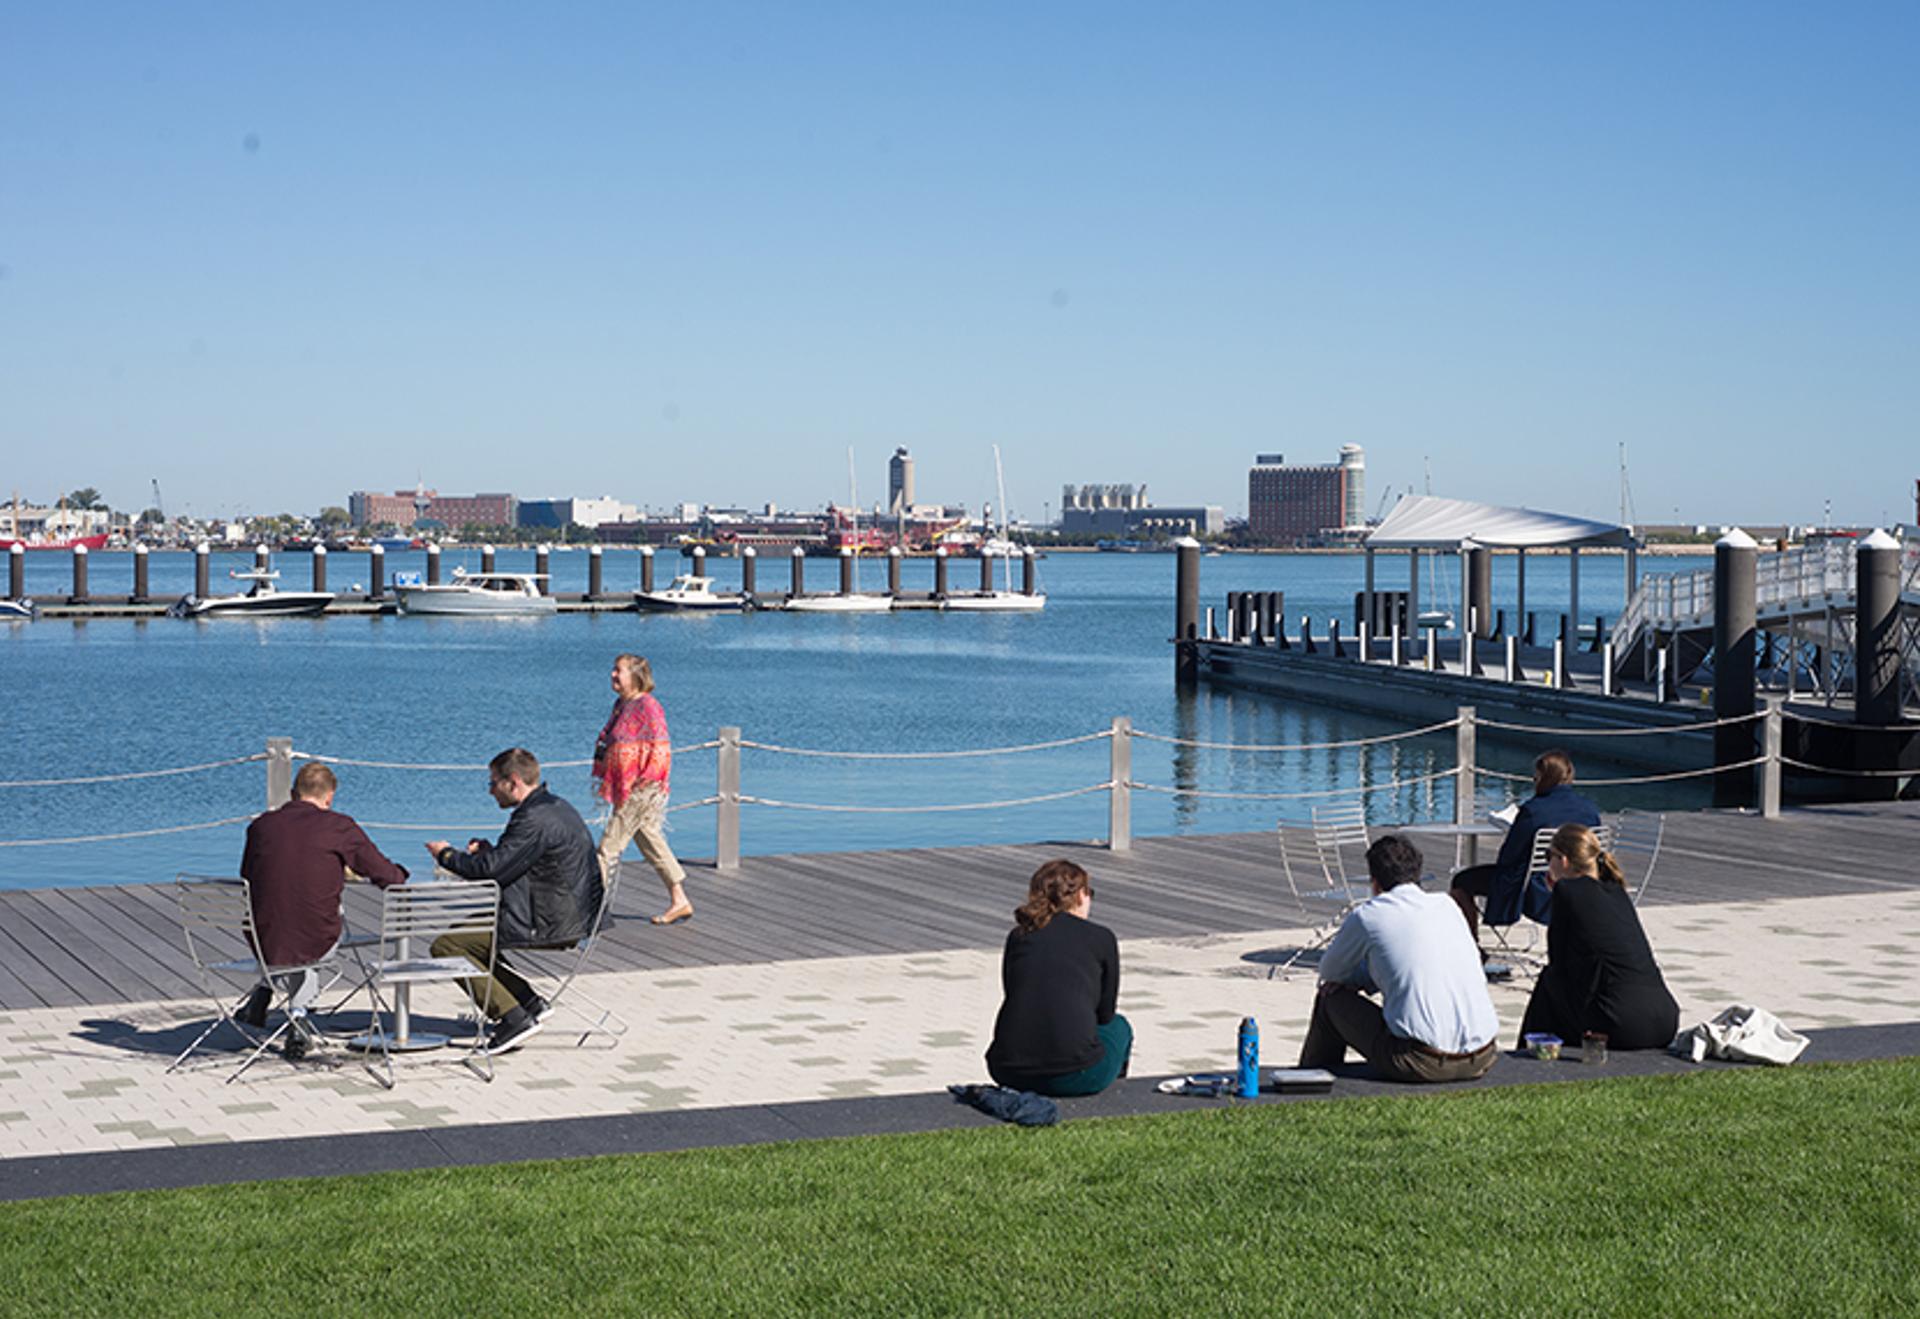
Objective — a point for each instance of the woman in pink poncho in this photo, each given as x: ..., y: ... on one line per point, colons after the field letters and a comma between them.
x: 632, y: 761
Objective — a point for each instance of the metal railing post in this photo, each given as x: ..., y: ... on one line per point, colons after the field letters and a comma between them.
x: 1465, y: 781
x: 726, y: 843
x: 279, y: 771
x: 1606, y: 668
x: 1559, y: 662
x: 1771, y: 734
x: 1512, y: 673
x: 1120, y: 795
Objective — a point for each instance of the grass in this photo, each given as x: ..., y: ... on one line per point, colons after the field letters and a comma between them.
x: 1788, y: 1192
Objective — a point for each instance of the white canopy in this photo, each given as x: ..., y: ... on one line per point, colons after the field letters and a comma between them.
x: 1430, y: 522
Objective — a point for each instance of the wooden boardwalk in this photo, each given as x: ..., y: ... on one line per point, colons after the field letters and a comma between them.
x: 66, y: 947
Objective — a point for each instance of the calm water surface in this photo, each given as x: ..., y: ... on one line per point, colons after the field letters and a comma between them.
x: 109, y: 696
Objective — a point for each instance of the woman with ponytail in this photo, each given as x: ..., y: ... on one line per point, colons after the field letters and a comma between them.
x: 1601, y: 976
x: 1057, y: 1032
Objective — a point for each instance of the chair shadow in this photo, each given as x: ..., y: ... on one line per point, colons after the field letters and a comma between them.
x: 167, y: 1041
x: 1288, y: 955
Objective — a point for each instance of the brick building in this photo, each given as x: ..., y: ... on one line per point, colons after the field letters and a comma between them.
x: 1297, y: 504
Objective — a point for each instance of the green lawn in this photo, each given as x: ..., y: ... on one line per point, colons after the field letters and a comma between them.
x: 1793, y: 1192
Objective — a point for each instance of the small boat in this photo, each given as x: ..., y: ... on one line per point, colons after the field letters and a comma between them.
x: 689, y: 593
x: 856, y: 603
x: 1009, y: 602
x: 16, y: 609
x: 490, y: 594
x: 1436, y: 618
x: 263, y: 600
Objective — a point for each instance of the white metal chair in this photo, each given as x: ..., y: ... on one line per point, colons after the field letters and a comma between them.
x: 1636, y: 846
x: 216, y: 921
x: 563, y: 966
x: 1337, y: 831
x: 421, y: 910
x: 1526, y: 953
x: 1316, y: 876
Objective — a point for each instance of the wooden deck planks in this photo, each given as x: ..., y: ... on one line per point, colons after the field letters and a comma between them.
x: 113, y: 944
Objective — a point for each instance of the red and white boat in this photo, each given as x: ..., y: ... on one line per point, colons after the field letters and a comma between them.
x: 88, y: 543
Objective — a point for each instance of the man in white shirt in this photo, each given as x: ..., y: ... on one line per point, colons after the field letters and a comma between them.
x: 1434, y: 1020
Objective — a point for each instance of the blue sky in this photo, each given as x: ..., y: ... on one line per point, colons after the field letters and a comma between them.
x: 269, y: 254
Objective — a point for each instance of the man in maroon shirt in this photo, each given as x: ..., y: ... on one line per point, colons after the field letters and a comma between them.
x: 295, y: 865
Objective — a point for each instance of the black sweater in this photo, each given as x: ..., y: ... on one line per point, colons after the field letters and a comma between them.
x: 1061, y: 983
x: 1600, y: 973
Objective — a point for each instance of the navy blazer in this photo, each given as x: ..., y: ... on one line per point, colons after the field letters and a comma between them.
x: 1513, y: 890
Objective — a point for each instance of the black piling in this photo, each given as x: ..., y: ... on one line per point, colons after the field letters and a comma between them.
x: 376, y: 573
x: 79, y: 575
x: 486, y: 558
x: 986, y: 571
x: 1876, y: 648
x: 893, y: 570
x: 543, y: 567
x: 139, y: 574
x: 646, y: 567
x: 846, y: 570
x: 1186, y: 610
x: 1029, y: 572
x: 1480, y: 591
x: 596, y: 574
x: 1735, y: 608
x: 749, y: 562
x: 798, y: 585
x: 202, y: 556
x: 433, y: 565
x: 319, y: 567
x: 940, y: 573
x: 17, y: 572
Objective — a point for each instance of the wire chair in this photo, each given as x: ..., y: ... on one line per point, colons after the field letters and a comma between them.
x: 216, y: 912
x: 412, y: 911
x: 1313, y: 880
x: 1527, y: 954
x: 1636, y: 846
x: 564, y: 966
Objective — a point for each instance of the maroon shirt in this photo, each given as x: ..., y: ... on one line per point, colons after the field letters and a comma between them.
x: 295, y: 863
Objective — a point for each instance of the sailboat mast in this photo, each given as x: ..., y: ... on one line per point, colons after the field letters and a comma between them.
x: 1000, y: 489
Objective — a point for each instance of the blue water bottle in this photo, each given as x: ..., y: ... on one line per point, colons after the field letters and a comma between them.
x: 1249, y: 1058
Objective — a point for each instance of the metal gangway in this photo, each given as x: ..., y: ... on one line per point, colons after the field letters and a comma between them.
x: 1804, y: 602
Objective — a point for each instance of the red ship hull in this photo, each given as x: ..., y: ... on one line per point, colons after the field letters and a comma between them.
x: 90, y: 543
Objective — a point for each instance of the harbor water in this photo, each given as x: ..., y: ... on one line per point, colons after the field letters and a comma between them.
x: 115, y: 696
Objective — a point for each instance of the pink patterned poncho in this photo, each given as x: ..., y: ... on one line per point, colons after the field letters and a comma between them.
x: 632, y: 752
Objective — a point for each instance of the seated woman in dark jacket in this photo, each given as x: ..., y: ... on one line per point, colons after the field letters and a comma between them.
x: 1506, y: 885
x: 1600, y: 976
x: 1057, y: 1032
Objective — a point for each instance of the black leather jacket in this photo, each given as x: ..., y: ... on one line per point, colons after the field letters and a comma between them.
x: 548, y: 871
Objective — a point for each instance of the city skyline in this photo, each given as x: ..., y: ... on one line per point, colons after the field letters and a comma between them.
x: 692, y: 257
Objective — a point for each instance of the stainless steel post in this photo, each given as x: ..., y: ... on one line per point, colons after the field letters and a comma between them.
x: 726, y: 843
x: 1120, y: 795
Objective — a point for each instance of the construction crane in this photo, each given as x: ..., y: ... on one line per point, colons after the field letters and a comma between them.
x: 158, y: 505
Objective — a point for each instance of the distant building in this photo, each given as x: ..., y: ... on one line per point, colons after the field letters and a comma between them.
x: 899, y: 482
x: 1123, y: 513
x: 405, y: 508
x: 1302, y: 503
x: 575, y: 512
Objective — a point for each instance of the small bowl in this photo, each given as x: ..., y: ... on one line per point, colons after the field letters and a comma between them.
x: 1544, y: 1047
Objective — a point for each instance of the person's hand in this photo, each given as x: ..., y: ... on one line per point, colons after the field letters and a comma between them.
x: 436, y: 847
x: 473, y: 847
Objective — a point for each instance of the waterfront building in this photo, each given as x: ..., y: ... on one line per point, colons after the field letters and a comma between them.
x: 575, y: 512
x: 1123, y: 512
x: 405, y: 508
x: 1302, y: 503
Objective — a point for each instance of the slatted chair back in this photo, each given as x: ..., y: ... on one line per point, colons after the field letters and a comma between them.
x: 1636, y: 846
x: 216, y: 921
x: 411, y: 911
x: 1543, y: 841
x: 563, y: 966
x: 1340, y: 837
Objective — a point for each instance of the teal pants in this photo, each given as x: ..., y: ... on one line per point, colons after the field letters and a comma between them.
x: 1116, y: 1043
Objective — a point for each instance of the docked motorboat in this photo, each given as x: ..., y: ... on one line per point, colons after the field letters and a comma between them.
x: 262, y: 600
x: 693, y: 594
x: 15, y: 609
x: 1007, y: 602
x: 486, y: 594
x: 855, y: 603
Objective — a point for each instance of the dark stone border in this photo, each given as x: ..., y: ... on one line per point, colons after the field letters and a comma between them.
x: 753, y: 1124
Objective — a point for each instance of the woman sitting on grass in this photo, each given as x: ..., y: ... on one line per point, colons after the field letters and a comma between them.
x: 1057, y: 1032
x: 1600, y: 976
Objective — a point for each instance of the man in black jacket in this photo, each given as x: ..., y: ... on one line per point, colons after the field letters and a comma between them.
x: 550, y: 892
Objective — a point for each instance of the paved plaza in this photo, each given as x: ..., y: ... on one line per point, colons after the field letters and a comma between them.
x: 93, y: 1078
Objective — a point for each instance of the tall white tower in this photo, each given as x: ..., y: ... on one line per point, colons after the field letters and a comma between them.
x: 1353, y: 461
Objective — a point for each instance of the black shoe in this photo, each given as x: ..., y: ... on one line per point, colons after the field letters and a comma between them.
x: 253, y: 1012
x: 538, y: 1008
x: 296, y: 1046
x: 513, y: 1031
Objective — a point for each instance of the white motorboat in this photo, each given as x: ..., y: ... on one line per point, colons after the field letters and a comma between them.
x: 262, y: 600
x: 1434, y: 618
x: 856, y: 603
x: 16, y: 609
x: 690, y: 593
x: 478, y: 594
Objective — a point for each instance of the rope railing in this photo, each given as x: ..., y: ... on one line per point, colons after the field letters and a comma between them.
x: 1619, y: 732
x: 1341, y: 790
x: 131, y: 833
x: 129, y: 775
x: 1301, y: 746
x: 320, y: 759
x: 845, y: 809
x: 1852, y: 773
x: 1638, y: 778
x: 964, y: 754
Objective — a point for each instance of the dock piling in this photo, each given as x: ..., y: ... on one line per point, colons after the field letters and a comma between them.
x: 1186, y: 611
x: 262, y: 559
x: 202, y: 555
x: 797, y: 585
x: 699, y: 565
x: 433, y: 564
x: 846, y: 570
x: 893, y: 570
x: 79, y: 595
x: 596, y: 576
x: 749, y: 564
x: 376, y: 572
x: 1029, y: 572
x: 139, y: 574
x: 646, y: 567
x: 1212, y: 634
x: 16, y: 571
x: 1876, y: 630
x: 319, y: 571
x: 940, y: 572
x: 486, y: 558
x: 1735, y: 611
x: 986, y: 571
x: 543, y: 566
